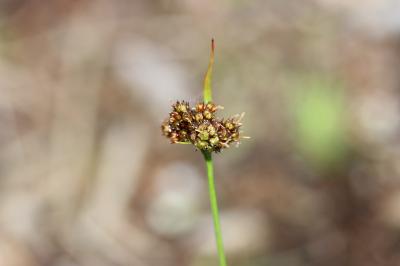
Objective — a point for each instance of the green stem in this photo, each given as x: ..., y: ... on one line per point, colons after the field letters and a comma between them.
x: 214, y: 207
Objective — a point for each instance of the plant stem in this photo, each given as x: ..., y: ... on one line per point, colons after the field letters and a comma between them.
x: 210, y: 168
x: 214, y: 207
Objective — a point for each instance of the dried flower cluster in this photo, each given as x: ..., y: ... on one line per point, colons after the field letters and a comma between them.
x: 199, y: 126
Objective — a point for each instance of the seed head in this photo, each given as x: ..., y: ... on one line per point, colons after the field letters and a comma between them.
x: 200, y: 126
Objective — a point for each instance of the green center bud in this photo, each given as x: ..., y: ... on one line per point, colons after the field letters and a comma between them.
x: 202, y: 145
x: 203, y: 135
x: 214, y: 141
x: 211, y: 130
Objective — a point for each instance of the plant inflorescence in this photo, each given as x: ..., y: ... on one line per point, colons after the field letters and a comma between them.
x: 199, y: 126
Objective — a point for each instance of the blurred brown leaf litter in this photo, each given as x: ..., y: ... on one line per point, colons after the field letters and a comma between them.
x: 86, y: 178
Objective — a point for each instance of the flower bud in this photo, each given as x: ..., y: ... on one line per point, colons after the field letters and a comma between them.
x: 207, y: 114
x: 211, y: 130
x: 203, y: 135
x: 214, y: 141
x: 198, y: 117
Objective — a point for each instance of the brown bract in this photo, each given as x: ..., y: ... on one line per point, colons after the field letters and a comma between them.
x: 199, y: 125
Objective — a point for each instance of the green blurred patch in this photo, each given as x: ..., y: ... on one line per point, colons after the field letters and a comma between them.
x: 319, y: 122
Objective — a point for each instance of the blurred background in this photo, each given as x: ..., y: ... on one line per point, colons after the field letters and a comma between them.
x: 86, y: 179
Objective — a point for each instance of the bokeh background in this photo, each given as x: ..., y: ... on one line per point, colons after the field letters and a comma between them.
x: 86, y: 179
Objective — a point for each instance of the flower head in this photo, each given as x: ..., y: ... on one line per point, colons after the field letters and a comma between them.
x: 199, y: 126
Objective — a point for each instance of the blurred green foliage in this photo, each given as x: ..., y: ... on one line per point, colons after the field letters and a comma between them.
x: 319, y: 122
